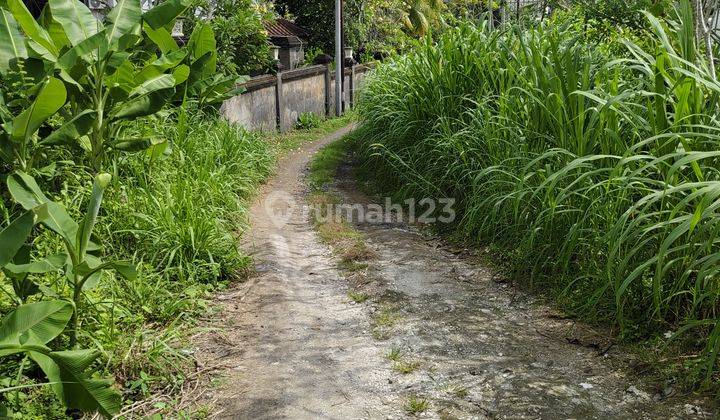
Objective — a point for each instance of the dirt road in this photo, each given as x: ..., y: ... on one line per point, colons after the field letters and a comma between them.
x: 441, y: 334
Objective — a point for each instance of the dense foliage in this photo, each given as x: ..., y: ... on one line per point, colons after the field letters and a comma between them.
x: 628, y: 13
x: 598, y: 178
x: 375, y: 27
x: 119, y: 201
x: 242, y: 42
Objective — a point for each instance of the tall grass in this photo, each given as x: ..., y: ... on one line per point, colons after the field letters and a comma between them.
x: 598, y: 175
x: 183, y: 211
x: 177, y: 213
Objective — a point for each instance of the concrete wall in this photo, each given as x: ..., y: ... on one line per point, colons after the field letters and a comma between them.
x: 265, y: 107
x: 302, y: 95
x: 254, y: 109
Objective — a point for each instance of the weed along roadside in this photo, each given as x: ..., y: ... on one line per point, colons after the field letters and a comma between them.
x: 582, y: 191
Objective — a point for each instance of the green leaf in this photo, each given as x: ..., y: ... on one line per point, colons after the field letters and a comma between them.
x: 116, y: 60
x: 23, y: 286
x: 162, y: 38
x: 124, y: 18
x: 164, y: 81
x: 181, y: 74
x: 76, y: 19
x: 31, y: 27
x: 26, y: 192
x: 165, y: 13
x: 12, y: 43
x: 13, y: 237
x: 136, y: 145
x: 202, y: 42
x: 92, y: 268
x: 51, y: 98
x: 199, y: 68
x: 143, y: 105
x: 123, y: 78
x: 79, y: 390
x: 217, y: 89
x: 92, y: 48
x: 72, y: 130
x: 159, y: 66
x: 158, y: 150
x: 126, y: 269
x: 54, y: 29
x: 35, y: 323
x: 47, y: 265
x: 83, y: 234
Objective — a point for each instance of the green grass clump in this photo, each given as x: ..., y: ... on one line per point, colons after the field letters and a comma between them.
x: 358, y: 297
x: 598, y: 178
x: 395, y: 354
x: 325, y: 164
x: 307, y: 121
x: 406, y: 367
x: 185, y: 210
x: 416, y: 405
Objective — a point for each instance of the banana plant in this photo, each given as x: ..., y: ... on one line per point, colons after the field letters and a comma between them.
x: 28, y: 330
x: 107, y: 77
x: 81, y: 267
x: 204, y: 84
x: 21, y: 118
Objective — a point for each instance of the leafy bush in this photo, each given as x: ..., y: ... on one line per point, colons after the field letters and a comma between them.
x: 628, y: 13
x: 598, y: 177
x: 307, y: 121
x: 78, y: 96
x: 242, y: 41
x: 311, y: 54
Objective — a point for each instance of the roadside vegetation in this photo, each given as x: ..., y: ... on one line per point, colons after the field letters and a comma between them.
x: 587, y: 158
x: 123, y: 194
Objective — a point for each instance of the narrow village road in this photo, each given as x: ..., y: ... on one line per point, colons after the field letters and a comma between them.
x: 291, y: 344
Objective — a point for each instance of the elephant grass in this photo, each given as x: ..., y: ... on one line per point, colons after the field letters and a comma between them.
x: 597, y: 176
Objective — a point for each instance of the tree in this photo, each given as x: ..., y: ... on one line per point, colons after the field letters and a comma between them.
x: 370, y: 25
x: 316, y: 16
x: 242, y: 42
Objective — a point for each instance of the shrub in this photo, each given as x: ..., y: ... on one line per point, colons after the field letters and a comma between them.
x: 307, y: 121
x: 628, y: 13
x: 242, y: 41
